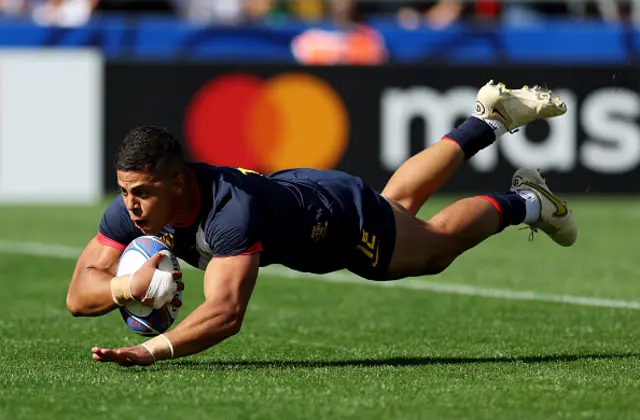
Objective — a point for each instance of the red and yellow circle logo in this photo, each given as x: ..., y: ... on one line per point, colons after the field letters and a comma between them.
x: 291, y: 120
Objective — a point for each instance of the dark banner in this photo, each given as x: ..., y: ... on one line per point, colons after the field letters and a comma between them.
x: 367, y: 121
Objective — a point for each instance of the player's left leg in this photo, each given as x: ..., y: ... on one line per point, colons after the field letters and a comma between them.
x: 430, y: 247
x: 497, y: 111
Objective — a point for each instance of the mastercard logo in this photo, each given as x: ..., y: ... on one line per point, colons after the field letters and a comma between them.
x: 290, y: 120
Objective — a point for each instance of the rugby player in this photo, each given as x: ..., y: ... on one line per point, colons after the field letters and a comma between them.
x: 230, y: 222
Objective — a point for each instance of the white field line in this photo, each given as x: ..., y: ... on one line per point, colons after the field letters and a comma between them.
x: 68, y: 252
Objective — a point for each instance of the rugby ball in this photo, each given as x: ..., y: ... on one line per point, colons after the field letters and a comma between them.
x: 142, y: 319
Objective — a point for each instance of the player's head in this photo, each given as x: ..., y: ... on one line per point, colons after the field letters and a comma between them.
x: 151, y: 175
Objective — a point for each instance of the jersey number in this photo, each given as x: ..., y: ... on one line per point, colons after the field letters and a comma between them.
x: 370, y: 246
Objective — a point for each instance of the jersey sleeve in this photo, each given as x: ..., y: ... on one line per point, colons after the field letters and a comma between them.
x: 116, y: 228
x: 234, y: 227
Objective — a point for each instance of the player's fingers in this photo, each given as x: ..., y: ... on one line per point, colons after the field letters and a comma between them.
x: 180, y: 286
x: 152, y: 263
x: 97, y: 351
x: 147, y: 301
x: 176, y: 302
x: 96, y: 354
x: 105, y: 355
x: 156, y: 258
x: 101, y: 358
x: 176, y: 275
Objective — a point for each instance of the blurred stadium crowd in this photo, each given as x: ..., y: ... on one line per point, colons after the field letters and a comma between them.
x: 408, y: 13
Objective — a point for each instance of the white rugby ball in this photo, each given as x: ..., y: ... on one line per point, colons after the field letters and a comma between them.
x: 143, y: 319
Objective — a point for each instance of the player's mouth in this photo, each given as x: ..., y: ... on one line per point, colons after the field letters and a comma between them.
x: 140, y: 223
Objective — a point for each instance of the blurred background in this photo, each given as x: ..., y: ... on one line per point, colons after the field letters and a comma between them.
x: 357, y: 85
x: 510, y: 329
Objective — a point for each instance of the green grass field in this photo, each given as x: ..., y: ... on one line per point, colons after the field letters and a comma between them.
x: 314, y: 349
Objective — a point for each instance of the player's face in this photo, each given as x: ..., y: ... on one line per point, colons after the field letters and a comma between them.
x: 148, y: 200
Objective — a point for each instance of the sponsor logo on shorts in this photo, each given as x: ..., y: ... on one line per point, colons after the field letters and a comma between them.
x: 319, y: 231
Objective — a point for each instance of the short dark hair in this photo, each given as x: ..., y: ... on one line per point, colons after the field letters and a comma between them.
x: 150, y: 149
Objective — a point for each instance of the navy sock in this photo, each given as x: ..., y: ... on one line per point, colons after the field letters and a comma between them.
x: 511, y: 206
x: 472, y: 135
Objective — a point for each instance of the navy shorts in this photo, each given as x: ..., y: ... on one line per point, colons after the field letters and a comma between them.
x: 362, y: 229
x: 368, y: 224
x: 372, y: 255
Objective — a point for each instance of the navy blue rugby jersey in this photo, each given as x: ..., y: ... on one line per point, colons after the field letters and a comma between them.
x: 308, y: 220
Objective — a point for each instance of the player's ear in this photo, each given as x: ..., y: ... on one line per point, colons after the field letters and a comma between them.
x: 179, y: 183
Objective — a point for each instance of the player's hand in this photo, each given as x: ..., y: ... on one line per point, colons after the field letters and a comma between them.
x: 142, y: 279
x: 125, y: 356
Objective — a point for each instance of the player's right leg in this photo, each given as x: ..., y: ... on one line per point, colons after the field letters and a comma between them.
x: 429, y: 247
x: 497, y: 111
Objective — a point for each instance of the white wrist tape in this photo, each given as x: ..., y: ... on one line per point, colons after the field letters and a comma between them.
x: 160, y: 347
x: 121, y: 289
x: 162, y: 288
x: 150, y: 352
x: 169, y: 343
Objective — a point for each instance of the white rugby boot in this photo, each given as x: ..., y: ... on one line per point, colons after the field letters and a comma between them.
x: 556, y: 219
x: 516, y: 107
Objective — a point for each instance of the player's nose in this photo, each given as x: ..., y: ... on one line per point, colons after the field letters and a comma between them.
x: 133, y: 206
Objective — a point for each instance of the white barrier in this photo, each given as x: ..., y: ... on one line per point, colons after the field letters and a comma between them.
x: 51, y: 126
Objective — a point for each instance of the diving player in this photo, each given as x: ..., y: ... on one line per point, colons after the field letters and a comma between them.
x: 230, y: 222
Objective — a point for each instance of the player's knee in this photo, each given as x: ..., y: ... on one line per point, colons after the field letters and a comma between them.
x: 407, y: 203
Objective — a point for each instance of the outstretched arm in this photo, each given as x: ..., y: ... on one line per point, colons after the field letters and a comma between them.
x: 228, y: 284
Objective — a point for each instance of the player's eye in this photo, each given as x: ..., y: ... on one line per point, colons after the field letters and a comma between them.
x: 142, y: 194
x: 123, y: 191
